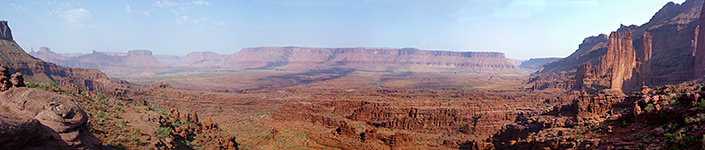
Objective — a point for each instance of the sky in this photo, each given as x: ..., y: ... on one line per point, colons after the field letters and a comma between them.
x: 521, y: 29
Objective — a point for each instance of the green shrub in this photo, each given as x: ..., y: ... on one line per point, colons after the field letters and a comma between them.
x: 163, y: 132
x: 123, y: 123
x: 53, y: 84
x: 698, y: 87
x: 135, y: 140
x: 32, y: 85
x: 689, y: 120
x: 649, y: 107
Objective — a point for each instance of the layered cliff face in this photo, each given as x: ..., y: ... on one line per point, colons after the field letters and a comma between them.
x: 699, y: 53
x: 114, y: 63
x: 202, y: 59
x: 658, y: 52
x: 374, y: 59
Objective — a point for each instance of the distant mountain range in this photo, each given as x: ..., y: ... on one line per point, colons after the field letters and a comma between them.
x: 36, y: 70
x: 294, y: 58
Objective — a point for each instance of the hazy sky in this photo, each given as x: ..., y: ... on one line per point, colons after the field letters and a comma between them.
x: 519, y: 28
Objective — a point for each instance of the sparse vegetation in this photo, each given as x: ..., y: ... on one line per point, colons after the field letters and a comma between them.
x: 649, y: 107
x: 163, y: 132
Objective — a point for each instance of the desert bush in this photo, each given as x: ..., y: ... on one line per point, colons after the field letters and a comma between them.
x: 649, y: 107
x: 123, y: 123
x: 32, y: 85
x: 163, y: 132
x: 135, y: 140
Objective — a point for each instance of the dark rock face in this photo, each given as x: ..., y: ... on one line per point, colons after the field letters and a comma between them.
x: 659, y: 52
x: 5, y: 33
x: 377, y: 59
x: 699, y: 61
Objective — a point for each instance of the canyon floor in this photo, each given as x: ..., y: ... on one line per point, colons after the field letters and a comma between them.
x: 338, y: 108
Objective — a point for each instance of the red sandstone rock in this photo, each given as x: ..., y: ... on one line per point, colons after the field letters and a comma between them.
x: 376, y: 59
x: 64, y: 122
x: 660, y: 53
x: 699, y: 60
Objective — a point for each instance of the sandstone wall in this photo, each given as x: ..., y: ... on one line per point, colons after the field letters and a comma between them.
x: 376, y: 59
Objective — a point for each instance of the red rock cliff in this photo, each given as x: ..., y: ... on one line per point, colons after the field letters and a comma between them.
x: 376, y: 59
x: 699, y: 60
x: 658, y: 52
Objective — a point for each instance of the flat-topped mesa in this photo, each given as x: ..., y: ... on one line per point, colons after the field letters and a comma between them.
x: 375, y: 59
x: 5, y: 33
x: 139, y: 53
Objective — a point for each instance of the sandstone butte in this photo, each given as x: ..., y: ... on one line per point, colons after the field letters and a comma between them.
x: 662, y: 51
x: 373, y: 59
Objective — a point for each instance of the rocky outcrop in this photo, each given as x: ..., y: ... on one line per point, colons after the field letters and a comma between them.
x: 642, y: 72
x: 186, y: 127
x: 656, y: 53
x: 37, y: 119
x: 5, y: 32
x: 375, y: 59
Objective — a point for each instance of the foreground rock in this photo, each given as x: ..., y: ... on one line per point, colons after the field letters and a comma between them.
x: 34, y: 118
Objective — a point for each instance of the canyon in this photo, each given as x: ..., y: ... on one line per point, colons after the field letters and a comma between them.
x: 640, y: 87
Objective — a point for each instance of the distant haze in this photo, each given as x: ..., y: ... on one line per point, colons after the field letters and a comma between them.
x: 519, y: 28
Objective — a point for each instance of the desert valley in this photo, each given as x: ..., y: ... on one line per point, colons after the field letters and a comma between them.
x: 638, y: 87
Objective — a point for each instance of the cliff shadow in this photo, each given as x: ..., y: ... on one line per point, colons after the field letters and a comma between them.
x: 301, y: 79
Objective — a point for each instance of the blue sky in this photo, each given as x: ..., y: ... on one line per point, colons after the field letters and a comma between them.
x: 520, y: 28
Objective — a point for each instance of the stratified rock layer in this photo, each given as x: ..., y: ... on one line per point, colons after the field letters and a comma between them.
x: 375, y: 59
